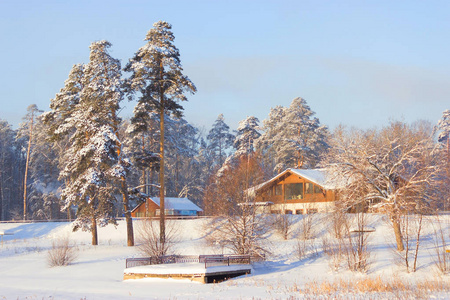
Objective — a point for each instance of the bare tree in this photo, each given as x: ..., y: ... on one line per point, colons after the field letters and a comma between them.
x: 440, y: 258
x: 238, y: 224
x: 356, y: 243
x: 148, y: 238
x: 392, y: 169
x: 411, y: 225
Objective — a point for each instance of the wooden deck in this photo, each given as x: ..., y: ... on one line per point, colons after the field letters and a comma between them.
x: 191, y: 271
x: 202, y: 268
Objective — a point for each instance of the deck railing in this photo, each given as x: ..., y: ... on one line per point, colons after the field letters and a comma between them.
x: 208, y: 260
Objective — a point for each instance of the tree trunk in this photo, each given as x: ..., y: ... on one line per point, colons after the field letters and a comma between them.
x: 398, y: 234
x: 124, y: 187
x: 162, y: 214
x: 94, y: 231
x: 126, y: 208
x: 26, y: 169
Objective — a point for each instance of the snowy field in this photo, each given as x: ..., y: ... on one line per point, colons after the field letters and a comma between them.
x: 98, y: 271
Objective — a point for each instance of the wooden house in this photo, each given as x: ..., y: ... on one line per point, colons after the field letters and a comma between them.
x: 297, y: 191
x: 173, y: 207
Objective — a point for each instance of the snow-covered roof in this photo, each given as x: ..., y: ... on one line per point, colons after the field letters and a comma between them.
x: 317, y: 176
x: 177, y: 203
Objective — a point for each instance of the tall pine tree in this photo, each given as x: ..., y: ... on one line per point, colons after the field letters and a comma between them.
x: 220, y: 139
x: 86, y: 111
x: 293, y: 137
x: 156, y: 74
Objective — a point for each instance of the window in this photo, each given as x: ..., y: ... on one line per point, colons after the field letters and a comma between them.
x: 318, y: 190
x: 309, y: 187
x: 312, y: 211
x: 293, y: 191
x: 299, y: 212
x: 288, y: 212
x: 278, y: 190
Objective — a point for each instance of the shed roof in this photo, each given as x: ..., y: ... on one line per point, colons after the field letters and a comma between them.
x: 177, y: 203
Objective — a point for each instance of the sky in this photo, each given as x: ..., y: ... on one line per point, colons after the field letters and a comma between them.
x: 357, y: 63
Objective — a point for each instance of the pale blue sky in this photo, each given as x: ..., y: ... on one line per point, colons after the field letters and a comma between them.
x: 359, y: 63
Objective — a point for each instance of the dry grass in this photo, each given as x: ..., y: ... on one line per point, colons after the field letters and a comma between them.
x: 379, y: 288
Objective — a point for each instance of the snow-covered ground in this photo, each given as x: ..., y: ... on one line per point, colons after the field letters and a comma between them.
x: 97, y: 273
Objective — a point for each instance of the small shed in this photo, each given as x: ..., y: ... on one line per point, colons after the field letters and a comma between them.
x: 173, y: 207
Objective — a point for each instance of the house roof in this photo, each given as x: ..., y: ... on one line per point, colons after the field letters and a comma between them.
x: 317, y: 176
x: 177, y: 203
x: 173, y: 203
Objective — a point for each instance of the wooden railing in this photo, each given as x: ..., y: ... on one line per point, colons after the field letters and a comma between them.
x: 208, y: 260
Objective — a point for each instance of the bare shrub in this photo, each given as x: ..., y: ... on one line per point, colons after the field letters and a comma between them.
x: 440, y: 257
x: 61, y: 253
x: 334, y: 249
x: 283, y: 224
x: 242, y: 234
x: 355, y: 244
x: 338, y: 222
x: 306, y: 249
x: 148, y: 237
x: 306, y: 229
x: 411, y: 226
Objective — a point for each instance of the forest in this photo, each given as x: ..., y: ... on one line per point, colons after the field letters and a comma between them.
x: 81, y: 161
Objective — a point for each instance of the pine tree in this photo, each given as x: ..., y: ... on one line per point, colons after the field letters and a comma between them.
x: 246, y: 136
x: 294, y: 136
x: 444, y: 138
x: 26, y: 130
x: 95, y: 168
x: 11, y: 162
x: 220, y: 139
x: 156, y: 73
x: 181, y: 144
x: 43, y: 200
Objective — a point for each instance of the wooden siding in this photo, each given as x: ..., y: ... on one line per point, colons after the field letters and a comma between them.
x: 267, y: 193
x: 146, y: 209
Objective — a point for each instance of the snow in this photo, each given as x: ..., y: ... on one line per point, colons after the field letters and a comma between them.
x: 184, y: 268
x: 177, y: 203
x: 317, y: 176
x: 97, y: 273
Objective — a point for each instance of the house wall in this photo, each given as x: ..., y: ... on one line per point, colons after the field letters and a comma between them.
x: 322, y: 201
x: 146, y: 209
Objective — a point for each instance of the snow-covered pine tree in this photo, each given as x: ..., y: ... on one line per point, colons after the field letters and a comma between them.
x: 43, y: 201
x: 444, y: 126
x: 220, y: 140
x: 296, y: 136
x: 11, y: 167
x: 246, y: 136
x: 26, y: 131
x: 142, y: 141
x: 444, y: 138
x: 182, y: 148
x: 265, y: 144
x: 86, y: 110
x: 156, y: 74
